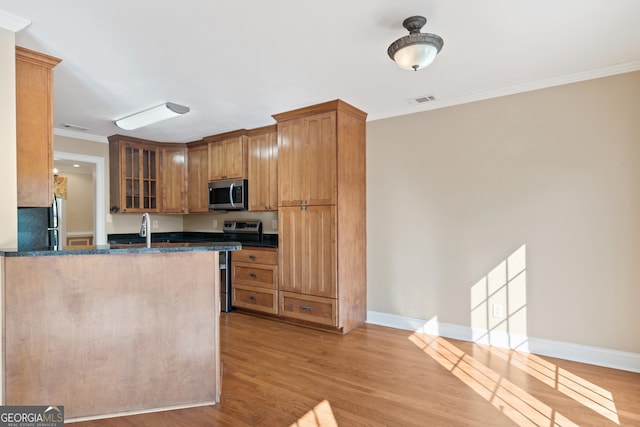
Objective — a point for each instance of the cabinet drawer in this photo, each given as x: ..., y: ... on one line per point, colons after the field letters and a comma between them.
x: 258, y: 299
x: 260, y: 275
x: 257, y: 256
x: 309, y: 308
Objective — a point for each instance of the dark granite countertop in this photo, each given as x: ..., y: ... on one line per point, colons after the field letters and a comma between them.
x: 126, y: 248
x: 267, y: 241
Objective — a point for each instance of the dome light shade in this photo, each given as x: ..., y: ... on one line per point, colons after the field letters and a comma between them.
x: 416, y: 50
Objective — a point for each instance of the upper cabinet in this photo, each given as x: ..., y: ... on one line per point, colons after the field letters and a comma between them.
x: 307, y: 160
x: 198, y: 177
x: 34, y: 127
x: 227, y: 156
x: 263, y: 169
x: 133, y: 175
x: 174, y: 179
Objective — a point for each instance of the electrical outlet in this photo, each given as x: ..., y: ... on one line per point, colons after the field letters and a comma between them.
x: 274, y: 224
x: 154, y: 223
x: 215, y: 223
x: 497, y: 310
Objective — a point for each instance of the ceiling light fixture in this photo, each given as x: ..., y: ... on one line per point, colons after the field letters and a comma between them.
x: 152, y: 115
x: 417, y: 50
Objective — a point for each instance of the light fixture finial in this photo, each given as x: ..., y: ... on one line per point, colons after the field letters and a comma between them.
x: 416, y: 50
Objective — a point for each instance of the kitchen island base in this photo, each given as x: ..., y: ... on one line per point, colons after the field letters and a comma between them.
x: 108, y: 334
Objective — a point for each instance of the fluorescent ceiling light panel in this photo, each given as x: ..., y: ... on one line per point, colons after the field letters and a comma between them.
x: 152, y: 115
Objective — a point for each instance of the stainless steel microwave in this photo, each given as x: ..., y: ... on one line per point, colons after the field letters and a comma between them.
x: 229, y: 195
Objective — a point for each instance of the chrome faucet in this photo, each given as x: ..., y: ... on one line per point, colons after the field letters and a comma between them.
x: 145, y: 228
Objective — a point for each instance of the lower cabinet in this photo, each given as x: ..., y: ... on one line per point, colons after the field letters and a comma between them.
x: 318, y: 310
x: 254, y: 278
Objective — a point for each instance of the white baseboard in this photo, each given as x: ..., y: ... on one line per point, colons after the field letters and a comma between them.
x: 562, y: 350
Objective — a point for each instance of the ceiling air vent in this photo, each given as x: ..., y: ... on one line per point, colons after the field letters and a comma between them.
x: 419, y: 100
x: 74, y: 127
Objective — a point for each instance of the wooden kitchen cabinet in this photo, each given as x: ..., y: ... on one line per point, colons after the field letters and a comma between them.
x: 322, y: 215
x: 227, y: 156
x: 254, y: 275
x: 133, y: 175
x: 308, y: 250
x: 174, y: 179
x: 263, y: 169
x: 198, y: 178
x: 307, y: 160
x: 34, y: 127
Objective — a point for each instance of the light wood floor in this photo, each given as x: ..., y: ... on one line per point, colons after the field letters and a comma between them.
x: 282, y: 375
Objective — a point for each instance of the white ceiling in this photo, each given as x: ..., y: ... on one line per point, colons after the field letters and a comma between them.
x: 235, y: 63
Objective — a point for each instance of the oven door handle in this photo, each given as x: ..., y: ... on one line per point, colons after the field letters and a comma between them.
x: 231, y: 195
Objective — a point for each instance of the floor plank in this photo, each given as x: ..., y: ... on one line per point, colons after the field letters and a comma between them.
x: 276, y: 374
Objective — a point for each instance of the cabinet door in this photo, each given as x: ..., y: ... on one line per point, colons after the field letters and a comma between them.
x: 34, y: 128
x: 174, y: 180
x: 308, y: 254
x: 234, y: 158
x: 198, y: 179
x: 217, y: 156
x: 140, y: 178
x: 263, y: 173
x: 227, y: 159
x: 307, y: 160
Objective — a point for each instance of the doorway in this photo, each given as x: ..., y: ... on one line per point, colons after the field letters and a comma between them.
x: 62, y: 159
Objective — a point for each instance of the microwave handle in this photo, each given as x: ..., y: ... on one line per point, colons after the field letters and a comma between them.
x: 231, y: 195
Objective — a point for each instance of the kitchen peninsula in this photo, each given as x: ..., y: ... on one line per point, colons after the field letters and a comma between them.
x: 108, y: 331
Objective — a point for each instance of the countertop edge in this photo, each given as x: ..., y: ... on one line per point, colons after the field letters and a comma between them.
x: 106, y: 250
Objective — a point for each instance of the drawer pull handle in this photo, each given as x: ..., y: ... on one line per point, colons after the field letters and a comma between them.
x: 305, y: 307
x: 254, y: 275
x: 253, y: 298
x: 252, y: 257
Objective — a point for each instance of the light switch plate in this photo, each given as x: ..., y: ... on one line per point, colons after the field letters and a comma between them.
x: 274, y: 224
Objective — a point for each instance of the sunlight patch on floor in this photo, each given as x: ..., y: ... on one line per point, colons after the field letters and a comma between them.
x: 582, y: 391
x: 320, y: 416
x: 511, y: 400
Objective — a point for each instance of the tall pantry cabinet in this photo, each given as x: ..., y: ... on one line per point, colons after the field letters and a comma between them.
x: 322, y: 215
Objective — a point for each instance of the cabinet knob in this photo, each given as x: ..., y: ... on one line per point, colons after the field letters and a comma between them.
x: 253, y: 275
x: 305, y: 307
x: 253, y: 298
x: 253, y: 257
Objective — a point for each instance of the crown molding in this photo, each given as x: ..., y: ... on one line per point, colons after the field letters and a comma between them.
x: 12, y: 22
x: 597, y: 73
x: 81, y: 135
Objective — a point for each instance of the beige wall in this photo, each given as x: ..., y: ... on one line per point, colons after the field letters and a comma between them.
x: 8, y: 171
x: 80, y: 204
x: 553, y: 174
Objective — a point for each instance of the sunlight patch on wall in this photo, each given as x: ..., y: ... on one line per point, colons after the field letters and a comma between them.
x: 499, y: 304
x: 320, y: 416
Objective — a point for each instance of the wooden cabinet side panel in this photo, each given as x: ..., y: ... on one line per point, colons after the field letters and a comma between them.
x: 351, y: 211
x: 34, y: 134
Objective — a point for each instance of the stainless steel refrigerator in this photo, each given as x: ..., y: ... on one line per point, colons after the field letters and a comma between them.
x: 40, y: 228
